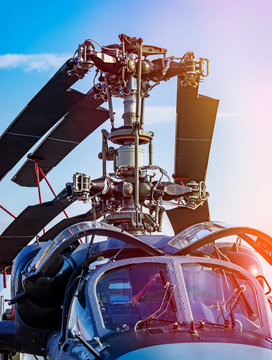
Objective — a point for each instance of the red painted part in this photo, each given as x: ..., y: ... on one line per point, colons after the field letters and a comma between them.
x: 38, y: 181
x: 141, y: 294
x: 2, y: 207
x: 53, y: 192
x: 38, y: 170
x: 5, y: 279
x: 50, y: 187
x: 38, y: 184
x: 45, y: 178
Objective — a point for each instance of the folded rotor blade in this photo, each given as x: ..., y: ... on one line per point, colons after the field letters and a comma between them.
x: 196, y: 116
x: 80, y: 122
x: 10, y: 247
x: 181, y: 218
x: 51, y: 103
x: 28, y: 224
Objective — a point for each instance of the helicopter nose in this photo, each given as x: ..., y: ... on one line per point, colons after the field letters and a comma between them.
x: 203, y: 351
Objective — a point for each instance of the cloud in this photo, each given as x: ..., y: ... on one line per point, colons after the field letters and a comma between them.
x: 29, y: 62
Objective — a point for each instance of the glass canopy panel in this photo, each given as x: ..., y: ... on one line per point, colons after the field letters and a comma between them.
x: 62, y: 240
x: 194, y: 233
x: 80, y: 319
x: 47, y: 255
x: 130, y: 294
x: 220, y: 296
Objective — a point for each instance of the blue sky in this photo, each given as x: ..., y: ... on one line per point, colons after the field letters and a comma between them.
x: 37, y: 36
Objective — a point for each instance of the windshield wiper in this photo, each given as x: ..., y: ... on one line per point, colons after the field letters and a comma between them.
x: 231, y: 303
x: 158, y: 313
x: 250, y: 312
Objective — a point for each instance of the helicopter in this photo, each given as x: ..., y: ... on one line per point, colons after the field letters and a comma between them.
x: 99, y: 285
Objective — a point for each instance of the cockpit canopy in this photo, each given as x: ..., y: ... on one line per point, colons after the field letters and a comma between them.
x: 166, y: 293
x: 191, y: 277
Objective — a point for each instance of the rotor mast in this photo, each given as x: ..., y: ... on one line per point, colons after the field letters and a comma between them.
x: 125, y: 72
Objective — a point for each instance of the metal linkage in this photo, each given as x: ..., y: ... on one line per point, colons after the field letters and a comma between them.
x: 38, y: 181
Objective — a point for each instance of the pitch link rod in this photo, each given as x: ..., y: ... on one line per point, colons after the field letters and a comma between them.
x: 137, y: 125
x: 110, y: 102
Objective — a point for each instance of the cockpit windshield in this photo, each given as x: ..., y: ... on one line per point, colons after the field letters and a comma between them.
x: 170, y: 293
x: 134, y: 294
x: 221, y: 296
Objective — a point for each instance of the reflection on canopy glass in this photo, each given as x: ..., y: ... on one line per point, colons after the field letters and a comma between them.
x: 221, y: 296
x: 132, y: 293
